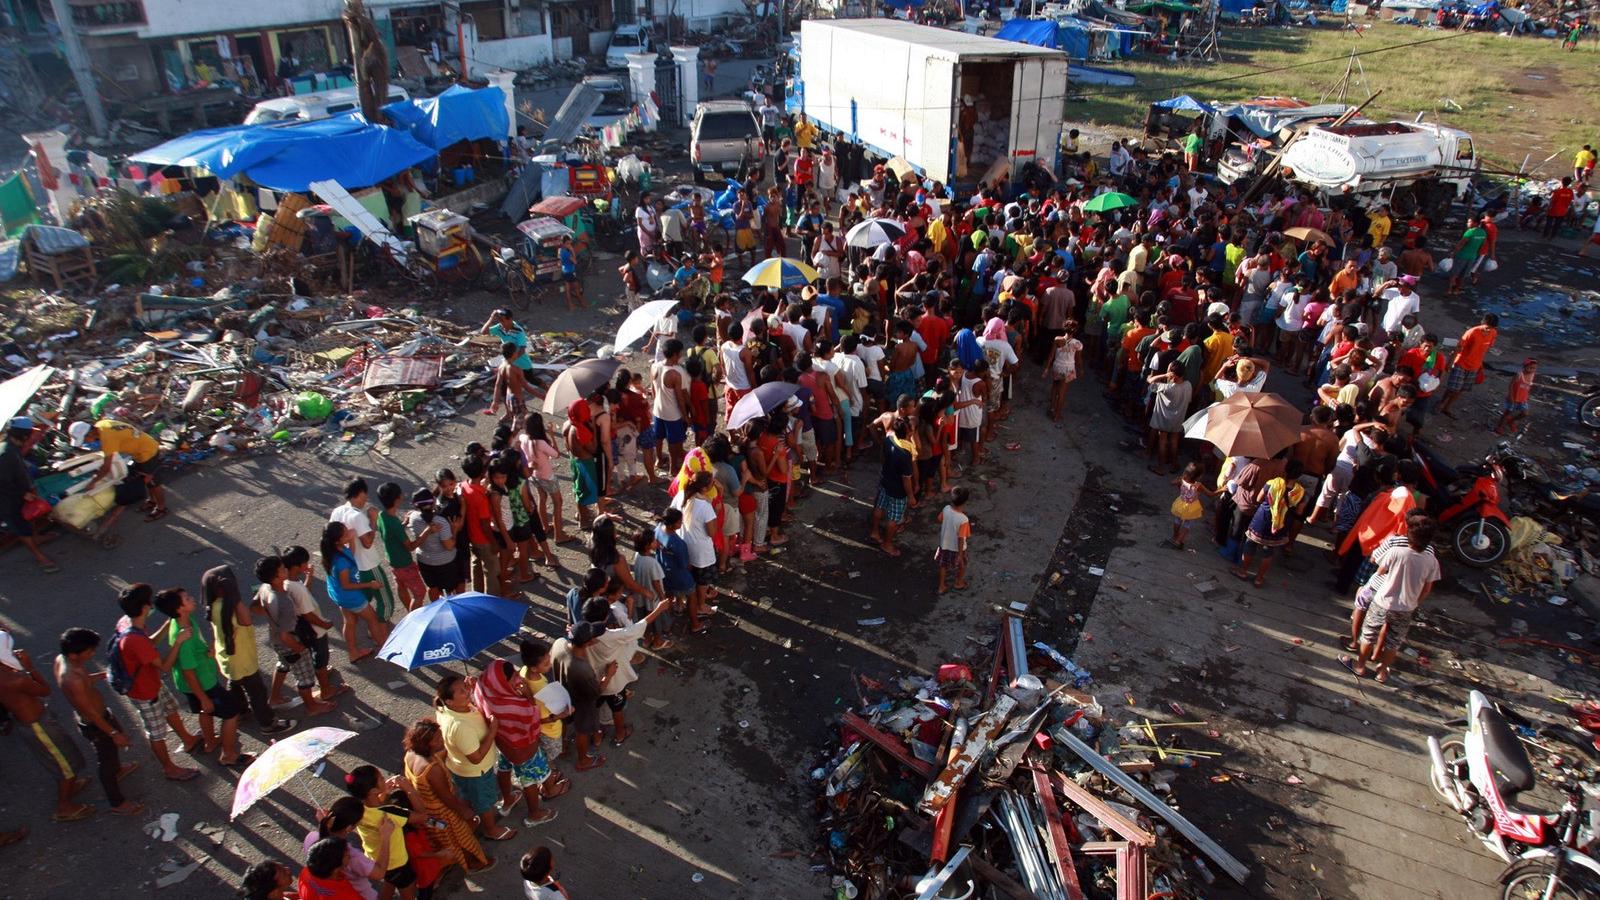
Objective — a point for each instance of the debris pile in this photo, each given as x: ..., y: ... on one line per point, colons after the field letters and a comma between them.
x: 242, y: 369
x: 1001, y: 777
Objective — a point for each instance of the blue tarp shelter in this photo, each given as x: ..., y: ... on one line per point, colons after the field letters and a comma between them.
x: 344, y: 148
x: 1038, y: 32
x: 1237, y: 6
x: 1068, y: 35
x: 1184, y: 103
x: 458, y: 114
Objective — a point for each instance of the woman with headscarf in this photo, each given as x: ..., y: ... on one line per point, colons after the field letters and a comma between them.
x: 1273, y: 524
x: 584, y: 445
x: 698, y: 462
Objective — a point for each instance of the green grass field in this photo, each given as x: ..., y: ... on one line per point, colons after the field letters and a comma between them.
x: 1517, y: 95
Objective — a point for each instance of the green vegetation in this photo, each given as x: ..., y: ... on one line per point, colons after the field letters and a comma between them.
x: 1518, y: 96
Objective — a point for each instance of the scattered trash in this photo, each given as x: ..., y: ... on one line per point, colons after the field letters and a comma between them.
x: 877, y: 621
x: 172, y: 872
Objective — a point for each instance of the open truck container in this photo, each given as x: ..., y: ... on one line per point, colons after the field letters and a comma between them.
x: 901, y: 89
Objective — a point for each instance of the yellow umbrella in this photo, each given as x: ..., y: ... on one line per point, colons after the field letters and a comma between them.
x: 780, y: 272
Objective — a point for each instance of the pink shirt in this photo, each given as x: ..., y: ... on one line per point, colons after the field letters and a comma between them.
x: 538, y: 454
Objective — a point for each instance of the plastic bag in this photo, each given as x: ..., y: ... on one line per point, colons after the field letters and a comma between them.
x: 1446, y: 265
x: 1489, y: 265
x: 312, y: 406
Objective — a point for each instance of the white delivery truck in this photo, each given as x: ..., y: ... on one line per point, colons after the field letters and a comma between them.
x: 958, y: 107
x: 1371, y: 157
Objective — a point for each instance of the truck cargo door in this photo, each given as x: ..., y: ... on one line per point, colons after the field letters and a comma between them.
x: 1030, y: 97
x: 936, y: 134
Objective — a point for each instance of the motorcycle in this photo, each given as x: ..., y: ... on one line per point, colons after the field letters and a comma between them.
x: 1470, y: 501
x: 1481, y: 774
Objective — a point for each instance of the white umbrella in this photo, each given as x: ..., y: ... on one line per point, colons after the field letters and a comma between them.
x: 873, y: 232
x: 640, y: 321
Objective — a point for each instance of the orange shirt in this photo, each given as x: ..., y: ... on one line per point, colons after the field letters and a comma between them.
x: 1130, y: 344
x: 1343, y: 280
x: 1474, y: 344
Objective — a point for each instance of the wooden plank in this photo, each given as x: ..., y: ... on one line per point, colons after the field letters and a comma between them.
x: 1060, y: 850
x: 887, y: 744
x: 1101, y: 848
x: 1000, y: 880
x: 942, y: 825
x: 1098, y: 808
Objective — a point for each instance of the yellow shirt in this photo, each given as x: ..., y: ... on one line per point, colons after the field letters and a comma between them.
x: 805, y: 134
x: 120, y: 437
x: 1378, y: 229
x: 463, y: 734
x: 367, y: 828
x: 243, y: 662
x: 549, y: 725
x: 1219, y: 346
x: 1583, y: 160
x: 938, y: 234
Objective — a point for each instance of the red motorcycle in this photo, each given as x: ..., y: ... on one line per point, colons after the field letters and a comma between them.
x: 1470, y: 501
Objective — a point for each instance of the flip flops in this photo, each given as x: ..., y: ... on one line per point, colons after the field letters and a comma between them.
x: 77, y: 814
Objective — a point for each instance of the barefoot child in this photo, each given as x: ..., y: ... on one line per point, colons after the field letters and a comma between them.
x: 954, y: 530
x: 1186, y: 507
x: 1515, y: 412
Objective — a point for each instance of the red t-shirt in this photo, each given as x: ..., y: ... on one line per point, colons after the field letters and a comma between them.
x: 139, y: 657
x: 635, y: 409
x: 475, y: 504
x: 1560, y: 201
x: 935, y: 330
x: 821, y: 405
x: 335, y: 888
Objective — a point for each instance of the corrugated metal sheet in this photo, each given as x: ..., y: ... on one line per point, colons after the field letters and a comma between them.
x: 579, y: 105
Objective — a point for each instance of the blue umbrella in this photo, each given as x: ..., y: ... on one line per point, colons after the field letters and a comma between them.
x: 458, y: 627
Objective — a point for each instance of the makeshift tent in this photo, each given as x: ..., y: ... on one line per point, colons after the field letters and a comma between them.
x: 344, y: 148
x: 1235, y: 7
x: 1038, y: 32
x: 1184, y: 103
x: 459, y: 114
x: 1069, y: 35
x: 1151, y: 6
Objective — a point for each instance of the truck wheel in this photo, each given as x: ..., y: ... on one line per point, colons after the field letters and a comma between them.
x: 1481, y: 542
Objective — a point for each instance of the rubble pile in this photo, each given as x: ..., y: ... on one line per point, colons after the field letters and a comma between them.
x: 1000, y: 776
x: 247, y: 370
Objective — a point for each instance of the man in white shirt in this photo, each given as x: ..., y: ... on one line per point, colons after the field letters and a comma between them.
x: 1399, y: 301
x: 1405, y: 576
x: 361, y: 518
x: 1120, y: 158
x: 871, y: 356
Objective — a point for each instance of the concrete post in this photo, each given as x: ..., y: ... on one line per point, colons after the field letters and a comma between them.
x: 54, y: 145
x: 688, y: 60
x: 78, y: 62
x: 642, y: 77
x: 507, y: 83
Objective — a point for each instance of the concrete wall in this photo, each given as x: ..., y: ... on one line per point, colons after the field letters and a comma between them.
x: 511, y: 53
x: 169, y: 18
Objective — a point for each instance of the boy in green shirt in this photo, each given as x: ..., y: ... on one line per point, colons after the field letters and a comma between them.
x: 195, y: 676
x: 397, y: 547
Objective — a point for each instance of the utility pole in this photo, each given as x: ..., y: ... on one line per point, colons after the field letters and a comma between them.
x: 78, y: 61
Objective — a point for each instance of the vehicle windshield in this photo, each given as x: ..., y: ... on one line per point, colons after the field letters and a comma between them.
x: 612, y: 103
x: 728, y: 126
x: 622, y: 39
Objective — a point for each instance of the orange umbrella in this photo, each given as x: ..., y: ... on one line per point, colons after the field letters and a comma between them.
x: 1253, y: 425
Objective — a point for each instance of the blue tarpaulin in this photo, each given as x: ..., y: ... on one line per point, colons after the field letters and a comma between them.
x: 289, y: 157
x: 458, y: 114
x: 1184, y: 103
x: 1067, y: 35
x: 1038, y: 32
x: 1238, y: 6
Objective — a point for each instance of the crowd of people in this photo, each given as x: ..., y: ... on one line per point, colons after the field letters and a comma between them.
x: 910, y: 352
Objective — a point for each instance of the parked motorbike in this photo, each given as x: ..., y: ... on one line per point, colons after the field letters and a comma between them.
x: 1470, y: 501
x: 1481, y: 774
